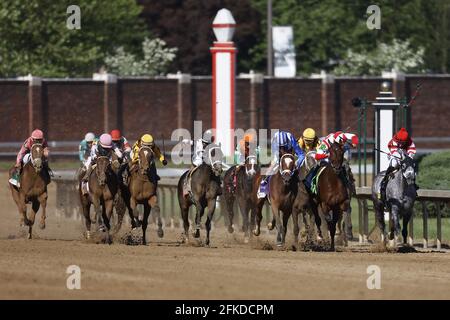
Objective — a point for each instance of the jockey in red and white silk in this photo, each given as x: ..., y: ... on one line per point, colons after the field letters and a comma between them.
x: 401, y: 140
x: 340, y: 137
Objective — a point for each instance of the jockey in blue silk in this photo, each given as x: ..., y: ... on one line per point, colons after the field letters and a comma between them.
x: 84, y: 149
x: 282, y: 142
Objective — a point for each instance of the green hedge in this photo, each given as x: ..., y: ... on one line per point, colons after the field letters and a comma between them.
x: 434, y: 173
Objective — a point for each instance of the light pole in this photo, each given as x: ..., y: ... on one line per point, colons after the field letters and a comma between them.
x: 223, y: 80
x: 269, y: 39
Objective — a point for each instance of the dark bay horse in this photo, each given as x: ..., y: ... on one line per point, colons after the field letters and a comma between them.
x: 33, y: 188
x: 283, y: 190
x: 103, y: 187
x: 244, y: 193
x: 205, y: 187
x: 333, y: 198
x: 143, y: 190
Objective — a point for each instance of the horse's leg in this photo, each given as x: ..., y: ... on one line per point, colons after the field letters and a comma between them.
x: 145, y: 222
x: 43, y: 202
x: 296, y: 228
x: 198, y: 218
x: 97, y: 209
x: 229, y: 203
x: 339, y: 226
x: 119, y: 205
x: 379, y: 216
x: 87, y: 218
x: 185, y: 217
x: 277, y: 217
x: 396, y: 221
x: 244, y: 209
x: 332, y: 228
x: 34, y: 209
x: 211, y: 208
x: 317, y: 220
x: 406, y: 218
x: 132, y: 210
x: 284, y: 219
x: 153, y: 202
x: 258, y: 216
x: 107, y: 213
x: 22, y: 205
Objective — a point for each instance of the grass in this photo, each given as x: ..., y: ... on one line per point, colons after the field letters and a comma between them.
x: 418, y: 224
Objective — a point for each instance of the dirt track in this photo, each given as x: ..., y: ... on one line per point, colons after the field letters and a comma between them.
x: 229, y: 270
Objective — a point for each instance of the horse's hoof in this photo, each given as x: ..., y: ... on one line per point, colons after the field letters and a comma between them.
x: 246, y: 239
x: 279, y: 244
x: 29, y: 236
x: 270, y: 226
x: 319, y: 238
x: 230, y: 229
x: 42, y: 225
x: 256, y: 232
x: 88, y: 235
x: 160, y: 233
x: 196, y: 234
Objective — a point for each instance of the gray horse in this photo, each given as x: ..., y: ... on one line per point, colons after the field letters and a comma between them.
x: 400, y: 197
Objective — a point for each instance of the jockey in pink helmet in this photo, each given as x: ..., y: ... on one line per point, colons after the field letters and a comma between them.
x: 103, y: 148
x: 23, y: 157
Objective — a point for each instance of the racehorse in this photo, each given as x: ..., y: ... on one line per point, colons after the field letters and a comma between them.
x: 333, y: 198
x: 33, y: 188
x: 205, y: 187
x: 283, y: 190
x: 244, y: 192
x: 400, y: 197
x: 142, y: 189
x: 103, y: 187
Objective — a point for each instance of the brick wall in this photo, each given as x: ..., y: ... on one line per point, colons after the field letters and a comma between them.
x: 66, y: 109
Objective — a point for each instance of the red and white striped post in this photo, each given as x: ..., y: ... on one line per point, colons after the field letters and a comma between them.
x: 223, y: 80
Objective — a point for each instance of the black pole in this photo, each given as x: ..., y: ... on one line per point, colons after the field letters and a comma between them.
x: 269, y: 39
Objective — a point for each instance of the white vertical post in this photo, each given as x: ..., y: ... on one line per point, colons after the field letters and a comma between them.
x: 223, y: 80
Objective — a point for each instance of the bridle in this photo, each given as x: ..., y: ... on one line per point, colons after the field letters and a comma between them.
x: 252, y: 160
x: 37, y: 163
x: 286, y: 172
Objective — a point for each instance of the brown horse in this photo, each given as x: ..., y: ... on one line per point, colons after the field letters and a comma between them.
x: 103, y: 187
x: 142, y: 190
x: 283, y: 190
x: 33, y: 188
x: 205, y: 187
x: 244, y: 193
x: 333, y: 198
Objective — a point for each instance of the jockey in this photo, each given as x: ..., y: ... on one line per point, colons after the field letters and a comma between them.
x: 282, y: 141
x: 309, y: 141
x: 147, y: 140
x: 84, y: 149
x: 200, y: 145
x: 104, y: 148
x: 121, y: 143
x: 23, y: 157
x: 347, y: 139
x: 401, y: 140
x: 243, y: 149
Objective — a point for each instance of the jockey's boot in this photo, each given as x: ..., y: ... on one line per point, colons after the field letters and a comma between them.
x: 384, y: 183
x: 262, y: 191
x: 85, y: 179
x: 15, y: 177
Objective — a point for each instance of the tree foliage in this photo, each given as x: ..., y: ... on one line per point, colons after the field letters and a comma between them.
x: 154, y: 60
x: 325, y: 31
x: 398, y: 56
x: 34, y: 37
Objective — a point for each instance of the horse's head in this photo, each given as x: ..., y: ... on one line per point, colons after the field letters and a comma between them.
x: 146, y: 157
x: 215, y: 156
x: 409, y: 169
x: 287, y: 167
x: 336, y: 156
x: 251, y: 164
x: 37, y: 154
x: 102, y: 167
